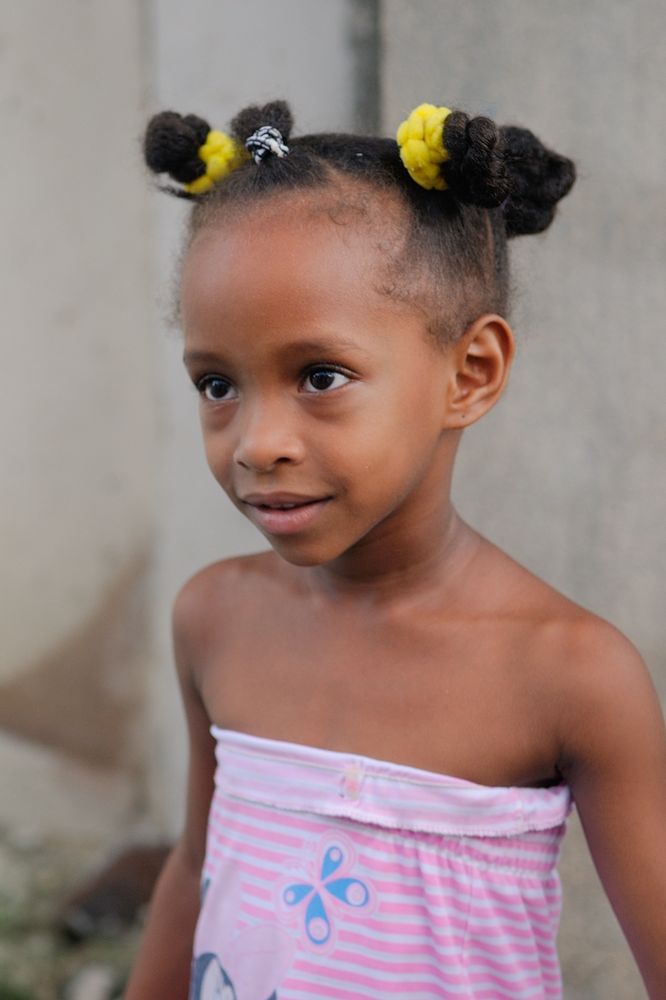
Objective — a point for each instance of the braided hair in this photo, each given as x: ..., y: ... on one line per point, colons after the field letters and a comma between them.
x: 483, y: 185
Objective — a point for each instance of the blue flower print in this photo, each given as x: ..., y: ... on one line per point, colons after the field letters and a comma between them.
x: 331, y: 883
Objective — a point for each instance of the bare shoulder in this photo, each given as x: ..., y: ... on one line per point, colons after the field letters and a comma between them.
x: 589, y: 676
x: 221, y: 579
x: 569, y: 635
x: 210, y: 601
x: 599, y: 663
x: 609, y: 701
x: 594, y: 677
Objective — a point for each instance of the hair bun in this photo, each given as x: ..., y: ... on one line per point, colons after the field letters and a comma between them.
x: 171, y: 145
x: 276, y: 113
x: 539, y: 178
x: 476, y: 171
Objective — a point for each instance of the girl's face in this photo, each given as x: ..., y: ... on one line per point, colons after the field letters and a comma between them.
x: 323, y: 401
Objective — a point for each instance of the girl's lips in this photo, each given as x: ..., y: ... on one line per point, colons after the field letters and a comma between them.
x: 290, y: 521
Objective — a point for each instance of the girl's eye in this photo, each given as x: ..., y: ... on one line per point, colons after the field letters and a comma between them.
x: 215, y: 389
x: 321, y: 379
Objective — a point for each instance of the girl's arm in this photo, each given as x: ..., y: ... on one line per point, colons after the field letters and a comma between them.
x: 615, y: 745
x: 162, y: 968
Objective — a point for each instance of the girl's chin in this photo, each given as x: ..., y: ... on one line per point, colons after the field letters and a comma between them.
x: 307, y: 551
x: 302, y: 554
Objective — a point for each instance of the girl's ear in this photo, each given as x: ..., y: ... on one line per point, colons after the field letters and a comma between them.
x: 481, y: 364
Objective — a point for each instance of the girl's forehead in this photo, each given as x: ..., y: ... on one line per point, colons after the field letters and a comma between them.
x: 255, y: 285
x: 300, y: 250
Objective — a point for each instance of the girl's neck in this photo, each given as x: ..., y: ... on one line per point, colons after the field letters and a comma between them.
x: 393, y: 568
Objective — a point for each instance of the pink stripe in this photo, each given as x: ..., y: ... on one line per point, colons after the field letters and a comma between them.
x: 262, y: 913
x: 399, y: 866
x: 434, y: 928
x: 503, y: 981
x: 410, y: 968
x: 235, y: 825
x: 295, y: 821
x: 421, y: 947
x: 258, y: 892
x: 430, y: 886
x: 443, y: 941
x: 467, y: 886
x: 253, y: 870
x: 256, y: 852
x: 337, y: 992
x: 396, y: 986
x: 511, y: 949
x: 437, y: 859
x: 405, y: 968
x: 451, y: 922
x: 539, y: 922
x: 492, y: 994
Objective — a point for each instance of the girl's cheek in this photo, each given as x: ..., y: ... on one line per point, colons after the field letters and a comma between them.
x: 218, y: 448
x: 215, y: 416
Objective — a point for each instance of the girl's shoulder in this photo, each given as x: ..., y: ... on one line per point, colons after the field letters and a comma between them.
x: 216, y: 596
x: 226, y: 574
x: 603, y: 686
x: 220, y: 586
x: 578, y: 640
x: 588, y: 669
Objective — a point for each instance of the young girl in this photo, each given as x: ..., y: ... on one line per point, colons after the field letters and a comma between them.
x: 401, y: 714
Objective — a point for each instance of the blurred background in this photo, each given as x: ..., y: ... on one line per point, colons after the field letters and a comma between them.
x: 107, y: 505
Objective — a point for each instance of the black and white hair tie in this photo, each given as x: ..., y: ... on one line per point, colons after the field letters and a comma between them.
x: 266, y: 141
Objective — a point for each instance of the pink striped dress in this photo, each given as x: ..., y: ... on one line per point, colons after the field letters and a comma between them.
x: 328, y: 874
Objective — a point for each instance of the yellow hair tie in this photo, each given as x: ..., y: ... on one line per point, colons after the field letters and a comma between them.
x: 222, y: 155
x: 421, y: 141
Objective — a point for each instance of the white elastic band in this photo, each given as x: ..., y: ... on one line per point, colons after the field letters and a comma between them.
x: 266, y: 140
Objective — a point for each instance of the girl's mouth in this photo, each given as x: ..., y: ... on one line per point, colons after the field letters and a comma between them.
x: 284, y: 516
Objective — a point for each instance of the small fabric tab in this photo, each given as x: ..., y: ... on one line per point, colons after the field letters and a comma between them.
x: 352, y: 780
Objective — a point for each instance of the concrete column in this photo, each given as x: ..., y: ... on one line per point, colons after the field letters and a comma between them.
x: 76, y: 416
x: 568, y: 473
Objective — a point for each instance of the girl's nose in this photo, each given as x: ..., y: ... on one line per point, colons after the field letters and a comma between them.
x: 266, y: 436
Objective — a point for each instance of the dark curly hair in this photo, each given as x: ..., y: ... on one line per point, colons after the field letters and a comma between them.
x: 501, y: 182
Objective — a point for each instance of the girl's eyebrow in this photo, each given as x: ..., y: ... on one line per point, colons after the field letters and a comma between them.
x: 325, y: 346
x: 205, y: 357
x: 294, y: 347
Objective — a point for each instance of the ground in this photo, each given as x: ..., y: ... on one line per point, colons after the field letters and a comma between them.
x: 37, y: 962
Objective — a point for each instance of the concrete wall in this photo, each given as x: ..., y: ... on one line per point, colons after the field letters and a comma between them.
x: 77, y: 421
x: 568, y: 473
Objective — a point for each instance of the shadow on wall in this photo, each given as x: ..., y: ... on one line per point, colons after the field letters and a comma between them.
x: 82, y: 698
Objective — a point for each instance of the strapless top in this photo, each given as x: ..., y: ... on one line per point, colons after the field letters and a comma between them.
x: 330, y: 874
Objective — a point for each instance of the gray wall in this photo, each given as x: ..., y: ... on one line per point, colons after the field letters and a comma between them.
x: 568, y: 474
x: 77, y: 418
